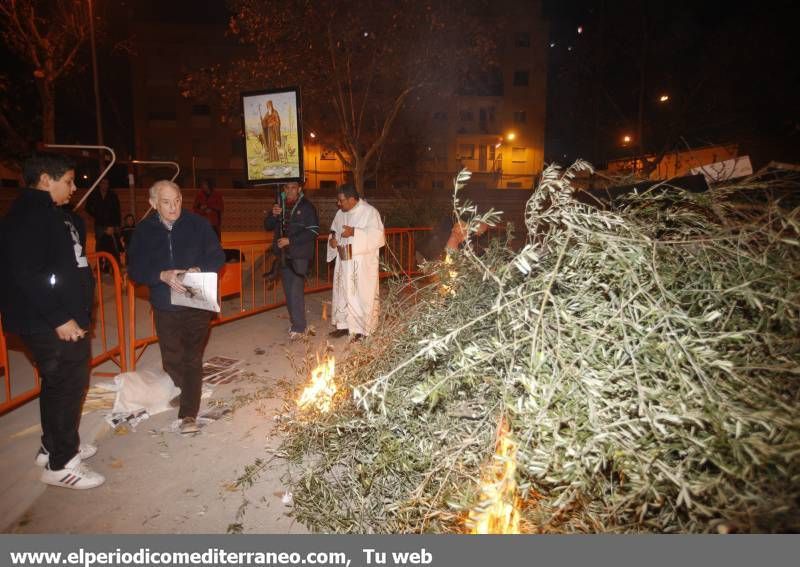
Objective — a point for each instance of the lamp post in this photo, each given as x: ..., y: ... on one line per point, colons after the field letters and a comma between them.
x: 98, y: 114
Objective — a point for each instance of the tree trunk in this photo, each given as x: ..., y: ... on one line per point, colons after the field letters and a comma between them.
x: 47, y: 96
x: 358, y: 175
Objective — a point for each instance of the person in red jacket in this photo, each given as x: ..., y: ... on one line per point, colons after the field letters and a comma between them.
x: 209, y: 204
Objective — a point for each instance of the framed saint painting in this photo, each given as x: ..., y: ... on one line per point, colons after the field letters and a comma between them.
x: 273, y: 138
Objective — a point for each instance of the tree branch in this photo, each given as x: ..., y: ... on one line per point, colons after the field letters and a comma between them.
x: 387, y: 123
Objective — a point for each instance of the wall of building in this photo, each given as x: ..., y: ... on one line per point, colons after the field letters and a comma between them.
x: 499, y: 137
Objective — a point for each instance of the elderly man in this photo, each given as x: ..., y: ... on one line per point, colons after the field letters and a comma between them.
x: 355, y: 241
x: 164, y: 246
x: 46, y: 295
x: 295, y: 236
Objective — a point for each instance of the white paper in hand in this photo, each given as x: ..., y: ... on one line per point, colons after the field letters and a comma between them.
x: 201, y: 291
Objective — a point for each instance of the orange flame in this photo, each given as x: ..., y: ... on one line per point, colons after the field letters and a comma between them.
x: 498, y: 509
x: 319, y: 393
x: 445, y: 289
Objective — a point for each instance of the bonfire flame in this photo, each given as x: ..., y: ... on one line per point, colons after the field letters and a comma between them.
x: 319, y: 393
x: 445, y: 289
x: 498, y: 509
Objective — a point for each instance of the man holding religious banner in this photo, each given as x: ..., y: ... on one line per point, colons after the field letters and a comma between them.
x: 165, y: 246
x: 355, y: 241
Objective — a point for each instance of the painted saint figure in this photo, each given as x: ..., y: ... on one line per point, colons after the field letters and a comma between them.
x: 271, y: 127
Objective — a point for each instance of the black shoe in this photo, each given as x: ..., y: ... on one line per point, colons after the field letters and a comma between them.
x: 338, y: 333
x: 358, y: 337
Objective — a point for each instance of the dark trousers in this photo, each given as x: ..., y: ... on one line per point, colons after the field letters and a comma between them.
x: 182, y: 337
x: 64, y: 370
x: 295, y: 298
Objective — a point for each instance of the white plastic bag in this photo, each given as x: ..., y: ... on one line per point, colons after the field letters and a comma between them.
x: 147, y: 389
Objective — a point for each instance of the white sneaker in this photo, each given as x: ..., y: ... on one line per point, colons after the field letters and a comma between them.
x: 85, y: 451
x: 74, y: 475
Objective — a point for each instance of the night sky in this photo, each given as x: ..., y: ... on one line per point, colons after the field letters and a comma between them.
x: 729, y: 69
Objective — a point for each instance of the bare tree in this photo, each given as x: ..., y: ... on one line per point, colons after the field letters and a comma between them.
x: 358, y: 63
x: 47, y: 36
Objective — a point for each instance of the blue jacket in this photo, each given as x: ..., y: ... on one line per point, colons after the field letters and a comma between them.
x: 302, y: 229
x: 154, y: 248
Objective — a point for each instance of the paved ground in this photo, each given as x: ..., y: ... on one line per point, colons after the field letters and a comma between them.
x: 162, y: 482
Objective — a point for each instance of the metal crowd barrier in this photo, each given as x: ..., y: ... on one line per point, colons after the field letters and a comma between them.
x: 243, y: 292
x: 111, y: 348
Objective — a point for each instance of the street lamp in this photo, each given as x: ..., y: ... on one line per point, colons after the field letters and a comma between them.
x: 626, y: 139
x: 510, y: 136
x: 663, y: 98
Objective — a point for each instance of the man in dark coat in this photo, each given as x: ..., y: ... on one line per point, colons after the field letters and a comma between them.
x: 46, y: 295
x: 295, y: 235
x: 103, y: 206
x: 165, y: 245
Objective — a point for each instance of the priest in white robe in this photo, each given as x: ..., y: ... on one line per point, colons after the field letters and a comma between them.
x: 355, y: 241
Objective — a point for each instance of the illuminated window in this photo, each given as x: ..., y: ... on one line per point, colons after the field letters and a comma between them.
x: 518, y: 155
x: 520, y: 116
x: 466, y: 151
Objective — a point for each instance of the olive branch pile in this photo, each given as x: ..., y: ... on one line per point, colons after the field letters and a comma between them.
x: 645, y: 358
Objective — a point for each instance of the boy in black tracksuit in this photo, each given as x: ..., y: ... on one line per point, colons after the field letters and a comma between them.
x: 299, y: 243
x: 46, y: 295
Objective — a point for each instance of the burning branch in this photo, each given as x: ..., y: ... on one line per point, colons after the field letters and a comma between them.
x: 498, y: 509
x: 319, y: 393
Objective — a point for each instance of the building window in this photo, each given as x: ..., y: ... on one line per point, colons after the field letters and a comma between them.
x: 327, y: 154
x: 201, y: 110
x: 201, y: 147
x: 520, y: 116
x: 162, y: 115
x: 466, y: 151
x: 521, y: 78
x: 465, y: 116
x: 327, y: 184
x: 437, y: 184
x: 518, y: 155
x: 162, y: 149
x: 440, y: 116
x: 522, y: 39
x: 492, y: 152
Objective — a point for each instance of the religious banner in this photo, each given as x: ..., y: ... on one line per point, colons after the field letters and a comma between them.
x: 273, y: 137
